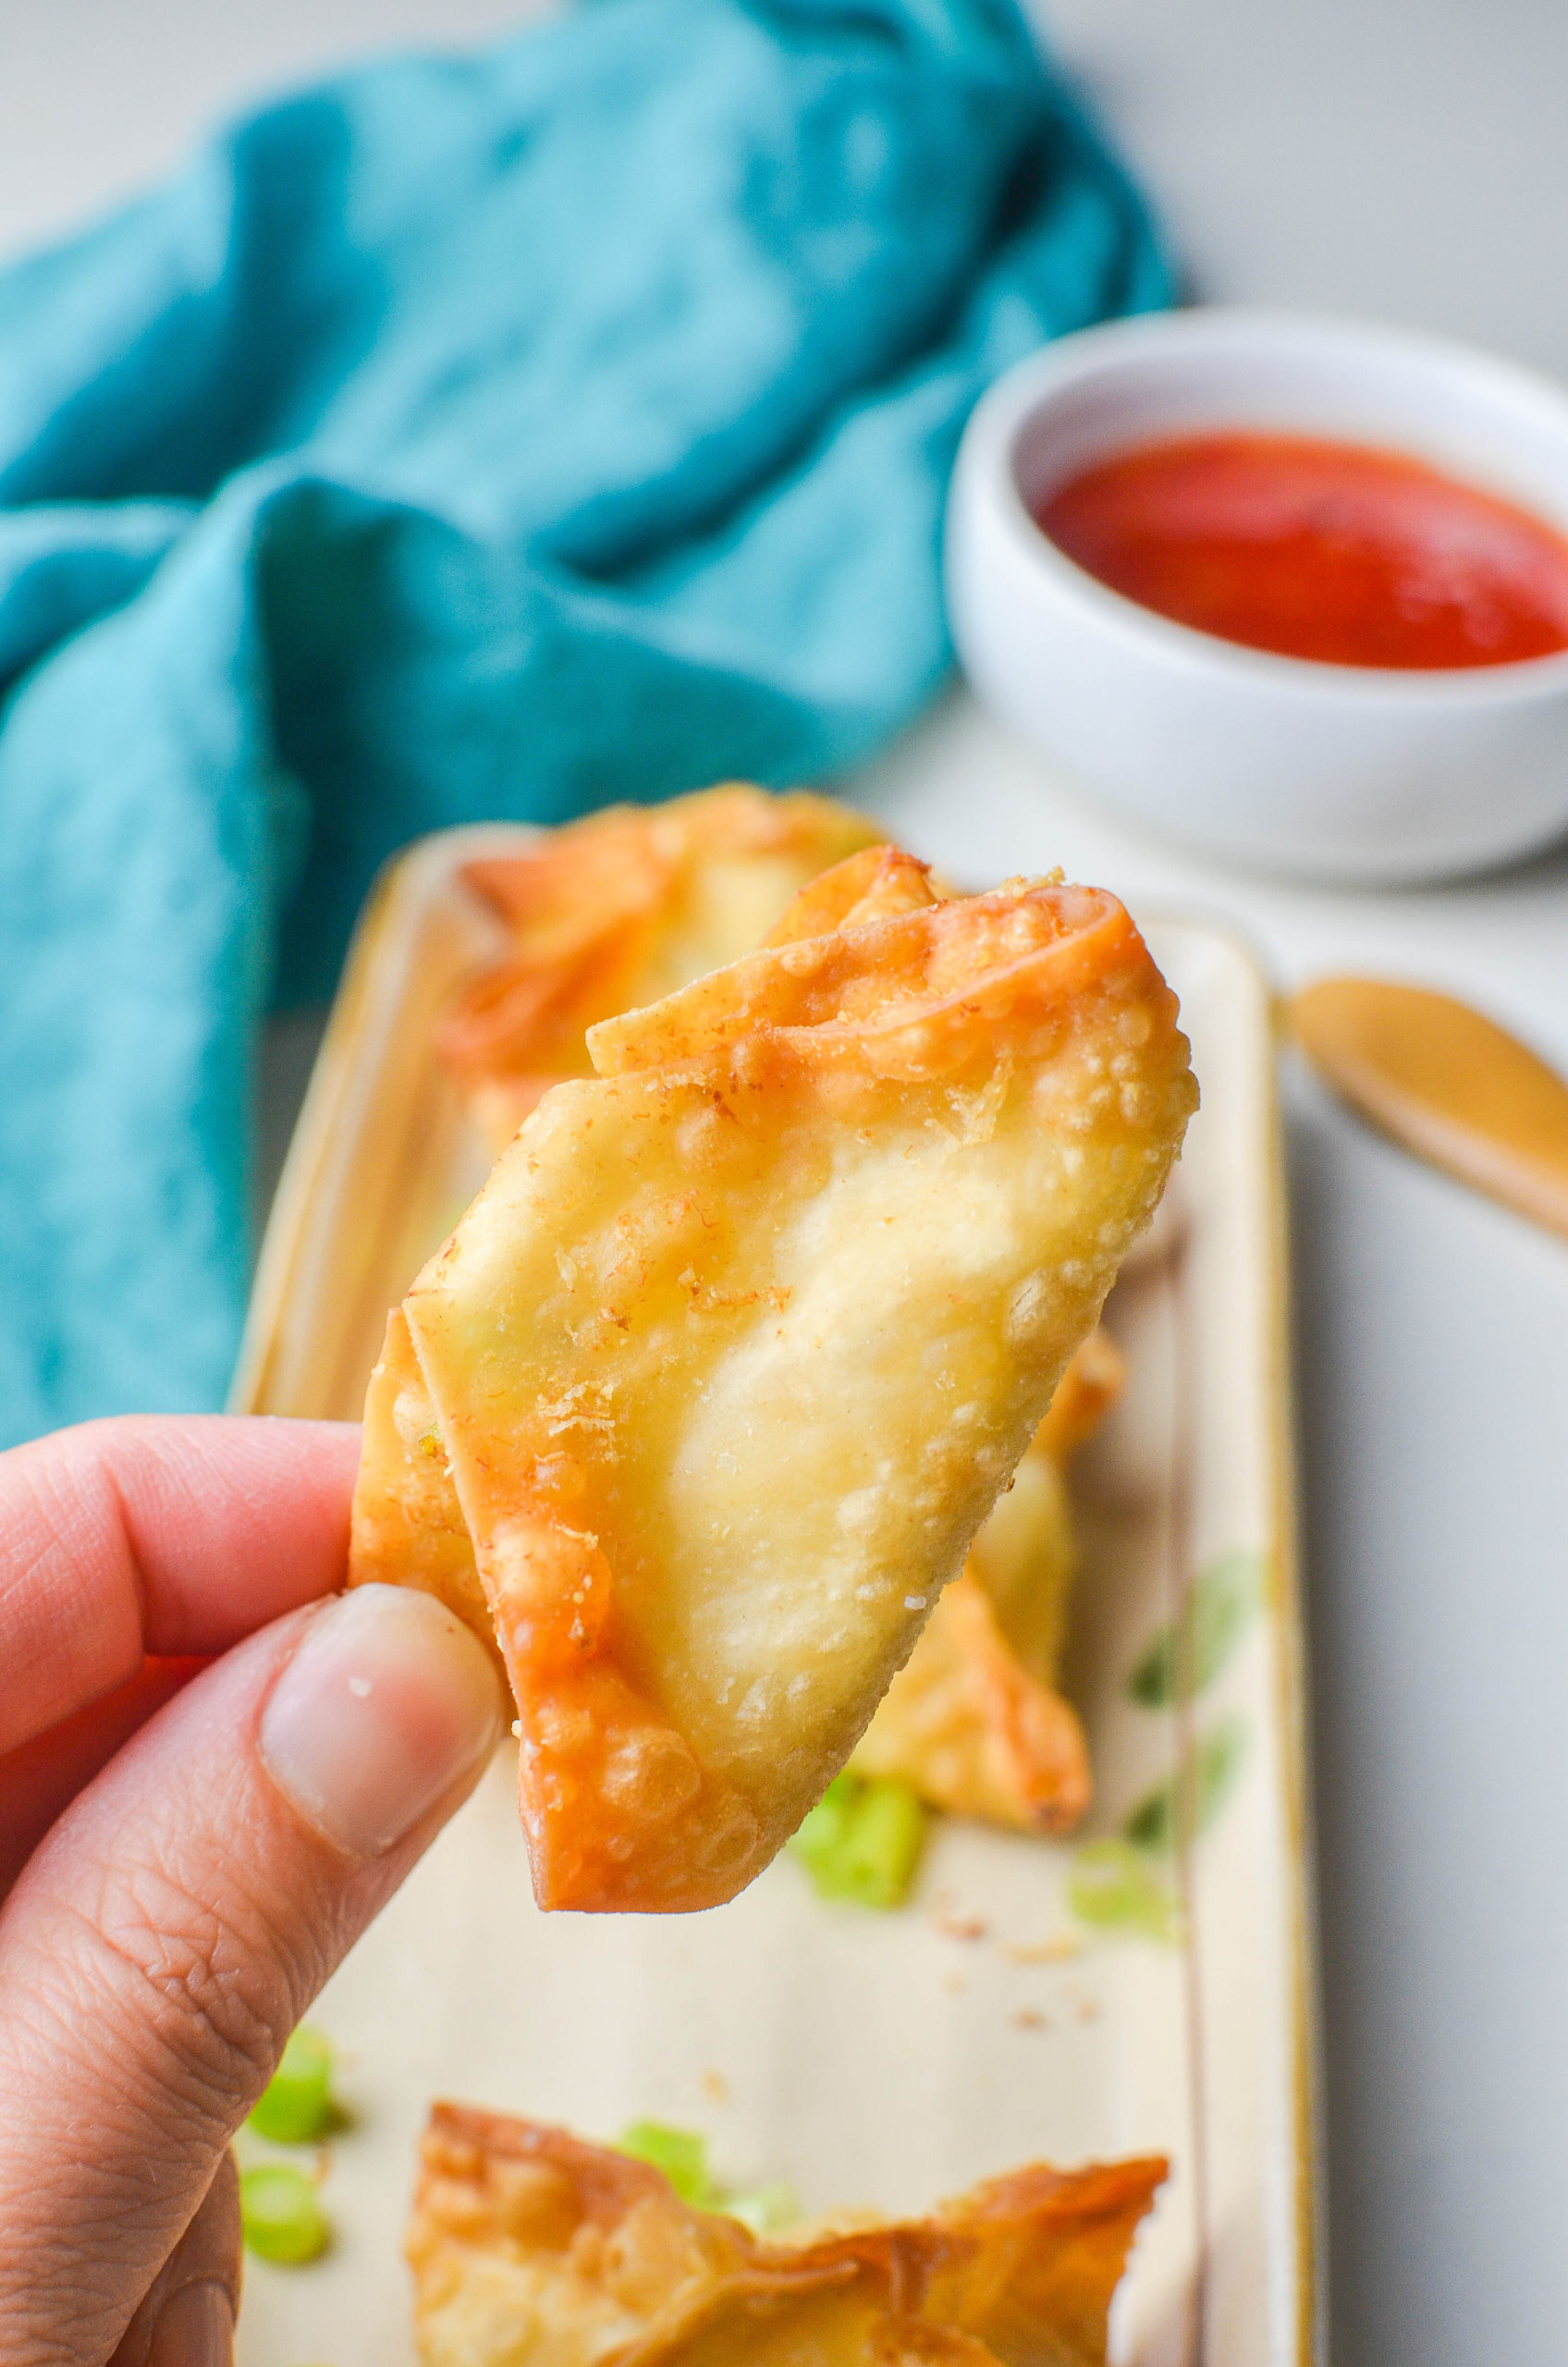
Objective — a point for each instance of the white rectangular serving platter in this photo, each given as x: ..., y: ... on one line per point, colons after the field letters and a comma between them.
x: 868, y: 2059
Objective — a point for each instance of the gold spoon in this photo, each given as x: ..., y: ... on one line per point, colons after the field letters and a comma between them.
x: 1451, y: 1087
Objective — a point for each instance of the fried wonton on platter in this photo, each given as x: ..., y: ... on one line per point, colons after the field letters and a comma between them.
x: 617, y: 909
x: 973, y: 1721
x: 531, y: 2248
x: 1023, y: 1559
x: 736, y: 1349
x: 1025, y: 1554
x: 1084, y: 1395
x: 967, y: 1728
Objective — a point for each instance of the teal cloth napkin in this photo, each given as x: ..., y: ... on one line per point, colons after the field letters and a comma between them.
x: 466, y: 436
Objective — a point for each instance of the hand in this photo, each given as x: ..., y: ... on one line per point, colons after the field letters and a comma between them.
x: 185, y: 1858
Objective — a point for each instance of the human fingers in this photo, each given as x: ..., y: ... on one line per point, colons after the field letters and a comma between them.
x: 165, y: 1535
x: 39, y: 1779
x: 176, y: 1921
x: 187, y: 2318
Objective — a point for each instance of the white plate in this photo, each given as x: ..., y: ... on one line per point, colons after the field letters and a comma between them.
x: 881, y: 2059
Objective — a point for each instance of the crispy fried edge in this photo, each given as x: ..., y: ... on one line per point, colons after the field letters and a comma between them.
x: 945, y: 1006
x: 585, y: 905
x: 1034, y: 2255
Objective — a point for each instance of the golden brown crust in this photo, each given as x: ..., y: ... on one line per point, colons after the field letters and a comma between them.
x: 531, y: 2248
x: 407, y: 1527
x: 578, y: 891
x: 735, y: 1350
x: 617, y: 909
x: 918, y: 996
x: 871, y: 886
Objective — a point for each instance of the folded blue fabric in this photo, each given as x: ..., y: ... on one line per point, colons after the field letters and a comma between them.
x: 467, y: 436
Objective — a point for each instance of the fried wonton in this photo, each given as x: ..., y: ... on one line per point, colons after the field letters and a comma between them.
x: 1025, y: 1555
x: 617, y: 909
x: 736, y: 1349
x: 1023, y: 1559
x: 874, y: 885
x: 973, y: 1721
x: 529, y: 2248
x: 967, y: 1728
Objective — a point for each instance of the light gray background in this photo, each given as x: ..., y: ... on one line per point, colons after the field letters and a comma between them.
x: 1407, y: 158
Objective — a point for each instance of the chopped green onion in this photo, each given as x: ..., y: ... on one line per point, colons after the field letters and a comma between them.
x: 765, y: 2209
x: 883, y: 1843
x: 281, y: 2214
x: 863, y: 1840
x: 680, y: 2153
x: 822, y: 1830
x: 295, y: 2108
x: 682, y: 2157
x: 1112, y: 1887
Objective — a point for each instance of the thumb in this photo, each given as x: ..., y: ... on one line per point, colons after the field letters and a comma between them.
x: 187, y: 2318
x: 174, y: 1926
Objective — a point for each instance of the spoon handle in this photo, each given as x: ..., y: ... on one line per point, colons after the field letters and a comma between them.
x: 1450, y: 1084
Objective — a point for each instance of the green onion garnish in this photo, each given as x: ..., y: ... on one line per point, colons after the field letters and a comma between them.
x: 1113, y: 1887
x: 682, y: 2157
x: 680, y: 2153
x: 281, y: 2214
x: 863, y: 1840
x: 295, y: 2108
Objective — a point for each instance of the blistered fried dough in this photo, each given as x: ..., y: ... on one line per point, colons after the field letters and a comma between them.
x: 408, y: 1526
x: 740, y: 1340
x: 529, y: 2248
x: 874, y: 885
x: 619, y: 909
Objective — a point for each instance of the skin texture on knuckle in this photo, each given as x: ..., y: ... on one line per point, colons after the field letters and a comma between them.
x: 139, y: 2020
x: 207, y: 2254
x: 212, y: 1993
x: 194, y: 1949
x: 163, y: 2028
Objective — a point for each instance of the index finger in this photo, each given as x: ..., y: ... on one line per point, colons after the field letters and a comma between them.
x: 167, y: 1535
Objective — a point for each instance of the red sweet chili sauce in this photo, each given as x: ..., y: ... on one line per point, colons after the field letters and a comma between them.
x: 1313, y: 549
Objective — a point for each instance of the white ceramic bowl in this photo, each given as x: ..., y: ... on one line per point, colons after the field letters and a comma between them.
x: 1278, y: 764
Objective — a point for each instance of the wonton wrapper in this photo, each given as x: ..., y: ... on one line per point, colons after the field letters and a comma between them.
x: 973, y: 1721
x: 874, y: 885
x: 739, y: 1344
x: 1024, y: 1558
x: 617, y: 909
x: 1024, y: 1554
x: 531, y: 2248
x: 967, y: 1728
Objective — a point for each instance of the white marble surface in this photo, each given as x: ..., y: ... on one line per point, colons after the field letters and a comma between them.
x: 1399, y: 157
